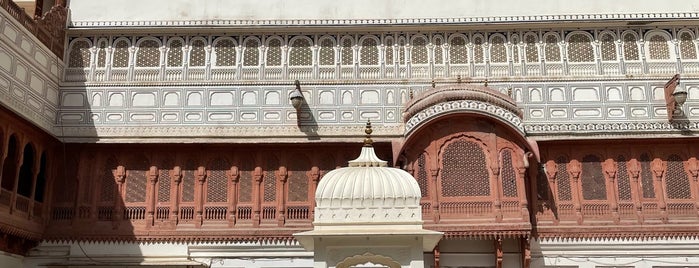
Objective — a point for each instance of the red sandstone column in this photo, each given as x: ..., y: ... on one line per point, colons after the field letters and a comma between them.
x: 152, y: 175
x: 658, y: 167
x: 257, y: 179
x: 200, y: 175
x: 551, y: 171
x: 634, y: 168
x: 435, y: 193
x: 574, y: 168
x: 610, y: 168
x: 314, y: 175
x: 233, y: 176
x: 522, y: 192
x: 119, y: 177
x: 176, y: 175
x: 692, y: 166
x: 281, y: 175
x: 526, y: 252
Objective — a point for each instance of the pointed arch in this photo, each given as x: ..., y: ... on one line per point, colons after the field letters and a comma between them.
x: 224, y: 52
x: 174, y: 52
x: 658, y: 45
x: 148, y: 52
x: 120, y: 56
x: 197, y: 52
x: 326, y: 53
x: 369, y: 50
x: 498, y: 51
x: 79, y: 53
x: 300, y: 52
x: 580, y: 48
x: 251, y: 51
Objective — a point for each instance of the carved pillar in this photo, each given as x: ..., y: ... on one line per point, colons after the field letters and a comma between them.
x: 496, y: 189
x: 200, y: 174
x: 282, y: 174
x: 692, y: 166
x: 176, y: 175
x: 526, y: 252
x: 435, y: 193
x: 257, y: 176
x: 658, y: 167
x: 522, y: 191
x: 634, y: 168
x: 498, y: 252
x: 119, y: 177
x: 574, y: 169
x: 610, y: 168
x: 551, y: 170
x: 234, y: 176
x: 152, y: 175
x: 314, y: 175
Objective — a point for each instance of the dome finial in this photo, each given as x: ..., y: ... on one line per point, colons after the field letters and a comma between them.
x: 367, y: 130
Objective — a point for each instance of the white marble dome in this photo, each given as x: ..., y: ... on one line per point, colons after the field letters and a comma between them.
x: 367, y: 192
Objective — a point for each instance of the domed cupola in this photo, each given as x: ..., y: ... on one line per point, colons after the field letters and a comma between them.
x: 367, y: 192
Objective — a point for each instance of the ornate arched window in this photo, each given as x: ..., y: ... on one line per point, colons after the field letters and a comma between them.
x: 607, y: 46
x: 658, y: 47
x: 580, y: 48
x: 532, y: 52
x: 418, y: 54
x: 148, y: 53
x: 464, y: 170
x: 121, y: 53
x: 688, y: 49
x: 458, y: 51
x: 346, y: 51
x: 592, y: 179
x: 26, y: 171
x: 224, y: 52
x: 478, y: 49
x: 646, y: 174
x: 326, y: 55
x: 508, y: 176
x: 677, y: 184
x: 274, y: 52
x: 563, y: 179
x: 514, y: 40
x: 421, y: 174
x: 251, y: 52
x: 369, y: 52
x: 622, y: 178
x: 300, y: 53
x: 438, y: 51
x: 136, y: 180
x: 197, y: 54
x: 107, y: 183
x: 630, y: 45
x: 498, y: 51
x: 79, y: 56
x: 216, y: 207
x: 101, y: 53
x: 174, y: 53
x: 388, y: 42
x: 552, y: 51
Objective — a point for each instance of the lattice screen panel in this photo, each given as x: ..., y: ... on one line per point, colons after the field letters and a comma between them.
x: 458, y: 51
x: 197, y: 56
x: 136, y: 186
x: 346, y: 53
x: 369, y: 53
x: 269, y: 183
x: 251, y: 54
x: 646, y: 177
x: 592, y: 179
x: 148, y: 54
x: 225, y: 52
x: 530, y: 48
x: 274, y: 52
x: 301, y: 53
x: 188, y: 182
x: 551, y: 49
x: 389, y: 51
x: 658, y: 48
x: 108, y: 183
x: 580, y: 48
x: 421, y: 175
x: 102, y: 54
x: 174, y: 53
x: 121, y: 54
x: 515, y: 48
x: 464, y: 171
x: 608, y: 47
x: 622, y: 178
x: 327, y: 52
x: 245, y: 186
x: 563, y: 179
x: 508, y: 175
x: 438, y: 52
x: 478, y: 49
x: 630, y: 47
x: 542, y: 185
x: 498, y: 51
x: 297, y: 180
x: 79, y: 55
x: 164, y: 184
x: 400, y: 51
x: 688, y: 49
x: 676, y: 180
x: 217, y: 182
x: 419, y: 53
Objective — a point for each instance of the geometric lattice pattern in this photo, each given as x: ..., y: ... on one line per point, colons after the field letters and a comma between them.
x: 217, y: 182
x: 369, y: 52
x: 251, y: 53
x: 174, y: 54
x: 136, y: 186
x: 102, y: 54
x: 438, y: 54
x: 563, y: 179
x: 458, y: 51
x: 688, y: 49
x: 197, y: 56
x: 422, y: 175
x: 346, y: 53
x: 658, y: 48
x: 623, y: 182
x: 419, y: 51
x: 592, y: 179
x: 388, y: 43
x: 148, y: 54
x: 327, y: 52
x: 79, y: 55
x: 646, y: 177
x: 401, y: 51
x: 508, y: 175
x: 121, y: 54
x: 676, y: 180
x: 245, y: 187
x: 515, y: 48
x: 498, y: 51
x: 274, y: 52
x: 225, y: 52
x: 298, y: 181
x: 301, y: 53
x: 630, y: 47
x: 164, y: 185
x: 580, y: 48
x: 270, y: 187
x: 607, y: 47
x: 188, y: 182
x: 551, y: 48
x: 464, y: 171
x: 108, y: 184
x: 478, y: 49
x: 530, y: 48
